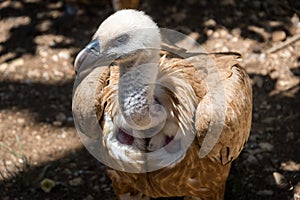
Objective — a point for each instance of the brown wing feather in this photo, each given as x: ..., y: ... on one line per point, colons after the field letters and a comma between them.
x: 85, y: 106
x: 238, y: 97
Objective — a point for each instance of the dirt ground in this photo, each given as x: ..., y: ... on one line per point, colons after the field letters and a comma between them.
x: 38, y: 43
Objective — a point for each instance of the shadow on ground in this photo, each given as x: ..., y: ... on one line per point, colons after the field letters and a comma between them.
x: 270, y: 124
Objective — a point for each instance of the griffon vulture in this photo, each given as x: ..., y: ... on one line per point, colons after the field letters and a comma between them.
x: 180, y: 120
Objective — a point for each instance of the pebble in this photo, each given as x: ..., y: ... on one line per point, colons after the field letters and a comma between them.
x: 64, y: 54
x: 21, y: 120
x: 3, y: 67
x: 253, y: 137
x: 223, y: 33
x: 57, y: 123
x: 280, y: 180
x: 297, y: 192
x: 265, y: 192
x: 54, y: 58
x: 290, y: 166
x: 257, y: 49
x: 266, y: 146
x: 76, y: 181
x: 96, y: 188
x: 70, y: 119
x: 191, y: 2
x: 278, y: 36
x: 44, y: 25
x: 285, y: 54
x: 17, y: 62
x: 58, y: 73
x: 89, y: 197
x: 210, y: 22
x: 102, y: 179
x: 47, y: 185
x: 67, y: 171
x: 209, y: 32
x: 290, y: 136
x: 46, y: 76
x: 43, y: 53
x: 252, y: 160
x: 38, y: 137
x: 228, y: 2
x: 178, y: 17
x: 258, y: 81
x: 61, y: 117
x: 34, y: 74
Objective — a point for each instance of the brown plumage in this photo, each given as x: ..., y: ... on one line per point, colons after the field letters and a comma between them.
x: 189, y: 97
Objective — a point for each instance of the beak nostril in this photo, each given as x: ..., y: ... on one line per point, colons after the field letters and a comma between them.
x: 94, y: 47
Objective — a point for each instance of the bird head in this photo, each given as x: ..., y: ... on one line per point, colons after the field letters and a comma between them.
x: 125, y: 36
x: 132, y: 40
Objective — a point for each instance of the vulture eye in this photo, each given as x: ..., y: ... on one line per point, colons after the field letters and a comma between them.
x: 122, y: 39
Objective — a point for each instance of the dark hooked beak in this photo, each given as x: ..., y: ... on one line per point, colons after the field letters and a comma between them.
x: 89, y: 57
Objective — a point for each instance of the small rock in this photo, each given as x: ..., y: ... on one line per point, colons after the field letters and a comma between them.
x: 3, y: 67
x: 285, y: 54
x: 290, y: 166
x: 278, y: 36
x: 209, y: 32
x: 58, y: 73
x: 265, y: 193
x: 252, y: 160
x: 21, y: 120
x: 89, y: 197
x: 61, y: 117
x: 290, y: 136
x: 47, y: 185
x: 76, y: 181
x: 253, y: 137
x: 228, y: 2
x: 44, y: 25
x: 210, y: 22
x: 191, y: 2
x: 268, y: 120
x: 67, y: 171
x: 266, y: 146
x: 17, y: 62
x: 297, y: 192
x: 57, y: 123
x: 257, y: 49
x: 38, y: 137
x: 70, y: 119
x: 54, y: 58
x: 280, y: 180
x: 64, y: 54
x: 258, y: 81
x: 223, y: 33
x: 96, y: 188
x: 46, y: 76
x: 33, y: 74
x: 178, y: 17
x: 102, y: 179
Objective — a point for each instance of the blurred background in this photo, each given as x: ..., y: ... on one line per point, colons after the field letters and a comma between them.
x: 41, y: 156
